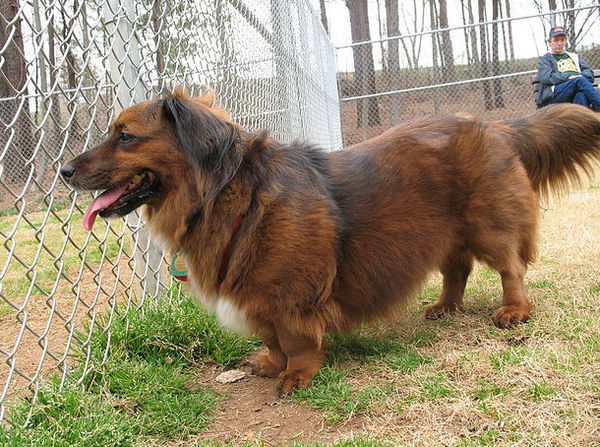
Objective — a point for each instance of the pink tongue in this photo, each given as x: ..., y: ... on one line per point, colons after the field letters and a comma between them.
x: 100, y: 203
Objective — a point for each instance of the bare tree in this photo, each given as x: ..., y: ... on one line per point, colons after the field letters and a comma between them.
x: 393, y: 65
x: 50, y: 150
x: 13, y: 79
x: 382, y: 32
x: 364, y: 66
x: 434, y: 50
x: 498, y: 95
x: 485, y: 67
x: 577, y: 23
x: 324, y: 20
x: 466, y: 33
x: 511, y: 43
x: 158, y: 24
x: 446, y: 50
x: 470, y: 34
x: 414, y: 22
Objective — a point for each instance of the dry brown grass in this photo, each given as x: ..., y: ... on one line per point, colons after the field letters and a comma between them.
x: 538, y: 384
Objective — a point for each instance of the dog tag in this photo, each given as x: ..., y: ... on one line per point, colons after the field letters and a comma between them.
x: 177, y: 269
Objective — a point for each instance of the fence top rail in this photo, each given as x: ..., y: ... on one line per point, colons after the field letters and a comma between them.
x: 435, y: 86
x: 469, y: 25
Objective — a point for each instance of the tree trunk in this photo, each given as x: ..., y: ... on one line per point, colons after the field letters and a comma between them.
x: 485, y: 68
x: 498, y: 95
x: 434, y: 52
x: 56, y: 120
x: 324, y: 16
x: 569, y: 24
x: 447, y: 51
x: 552, y: 6
x: 382, y: 46
x: 473, y: 34
x: 364, y: 66
x: 511, y: 43
x: 416, y: 40
x: 158, y: 26
x: 13, y: 79
x: 466, y: 34
x: 391, y: 13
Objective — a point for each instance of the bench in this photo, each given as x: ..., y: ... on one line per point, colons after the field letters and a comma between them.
x: 536, y: 83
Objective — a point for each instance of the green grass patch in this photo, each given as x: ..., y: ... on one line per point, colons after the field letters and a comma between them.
x: 176, y: 334
x: 435, y: 387
x: 512, y: 356
x: 548, y: 286
x: 144, y: 393
x: 360, y: 347
x: 406, y: 359
x: 40, y: 249
x: 540, y: 391
x: 71, y: 417
x: 486, y: 390
x: 351, y: 443
x: 332, y: 393
x: 132, y: 402
x: 368, y: 348
x: 423, y: 338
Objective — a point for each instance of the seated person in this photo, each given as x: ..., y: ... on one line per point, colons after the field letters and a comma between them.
x: 565, y: 76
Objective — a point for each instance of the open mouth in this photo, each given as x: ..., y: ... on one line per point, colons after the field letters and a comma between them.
x: 122, y: 199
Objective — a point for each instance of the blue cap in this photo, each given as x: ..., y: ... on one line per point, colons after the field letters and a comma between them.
x: 557, y: 31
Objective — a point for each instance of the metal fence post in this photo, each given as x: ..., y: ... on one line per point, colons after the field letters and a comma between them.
x: 124, y: 62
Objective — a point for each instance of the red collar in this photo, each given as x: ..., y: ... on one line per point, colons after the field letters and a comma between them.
x: 227, y: 253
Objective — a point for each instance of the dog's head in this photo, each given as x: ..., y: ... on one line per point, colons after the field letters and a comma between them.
x: 152, y: 151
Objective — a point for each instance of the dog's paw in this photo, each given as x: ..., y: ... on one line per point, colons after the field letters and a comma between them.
x: 268, y: 365
x: 509, y: 316
x: 436, y: 310
x: 291, y: 380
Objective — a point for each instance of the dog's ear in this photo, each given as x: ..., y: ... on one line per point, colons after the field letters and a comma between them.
x: 207, y: 140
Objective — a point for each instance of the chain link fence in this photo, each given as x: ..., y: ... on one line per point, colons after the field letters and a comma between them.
x: 66, y: 70
x: 484, y: 69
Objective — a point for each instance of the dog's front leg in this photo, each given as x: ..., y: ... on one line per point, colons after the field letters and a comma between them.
x: 271, y: 361
x: 304, y: 358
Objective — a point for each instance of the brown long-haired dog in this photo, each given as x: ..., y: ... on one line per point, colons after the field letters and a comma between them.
x: 289, y: 241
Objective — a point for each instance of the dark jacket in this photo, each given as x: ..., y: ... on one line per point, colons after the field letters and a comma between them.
x: 549, y: 76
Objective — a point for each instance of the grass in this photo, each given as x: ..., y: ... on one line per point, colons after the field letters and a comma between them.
x: 333, y: 394
x: 146, y: 390
x: 178, y: 334
x: 42, y: 252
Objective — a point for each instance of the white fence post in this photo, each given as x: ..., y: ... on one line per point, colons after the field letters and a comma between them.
x: 124, y: 61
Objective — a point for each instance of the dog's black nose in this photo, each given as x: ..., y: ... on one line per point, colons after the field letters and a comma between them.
x: 67, y: 171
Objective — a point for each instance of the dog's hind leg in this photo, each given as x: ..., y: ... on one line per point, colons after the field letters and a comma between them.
x: 455, y: 270
x: 304, y: 358
x: 511, y: 263
x: 515, y: 304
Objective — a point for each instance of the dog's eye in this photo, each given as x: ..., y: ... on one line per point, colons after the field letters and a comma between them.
x: 126, y: 137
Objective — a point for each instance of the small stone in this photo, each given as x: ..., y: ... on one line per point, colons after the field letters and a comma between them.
x: 230, y: 376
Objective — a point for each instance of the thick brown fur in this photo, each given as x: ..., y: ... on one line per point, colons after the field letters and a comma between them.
x: 331, y: 239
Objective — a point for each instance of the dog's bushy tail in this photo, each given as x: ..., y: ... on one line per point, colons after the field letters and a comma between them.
x: 556, y: 145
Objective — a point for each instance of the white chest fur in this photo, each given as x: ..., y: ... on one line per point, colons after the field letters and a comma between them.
x: 230, y: 316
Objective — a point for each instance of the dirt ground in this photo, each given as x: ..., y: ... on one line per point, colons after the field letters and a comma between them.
x: 252, y: 411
